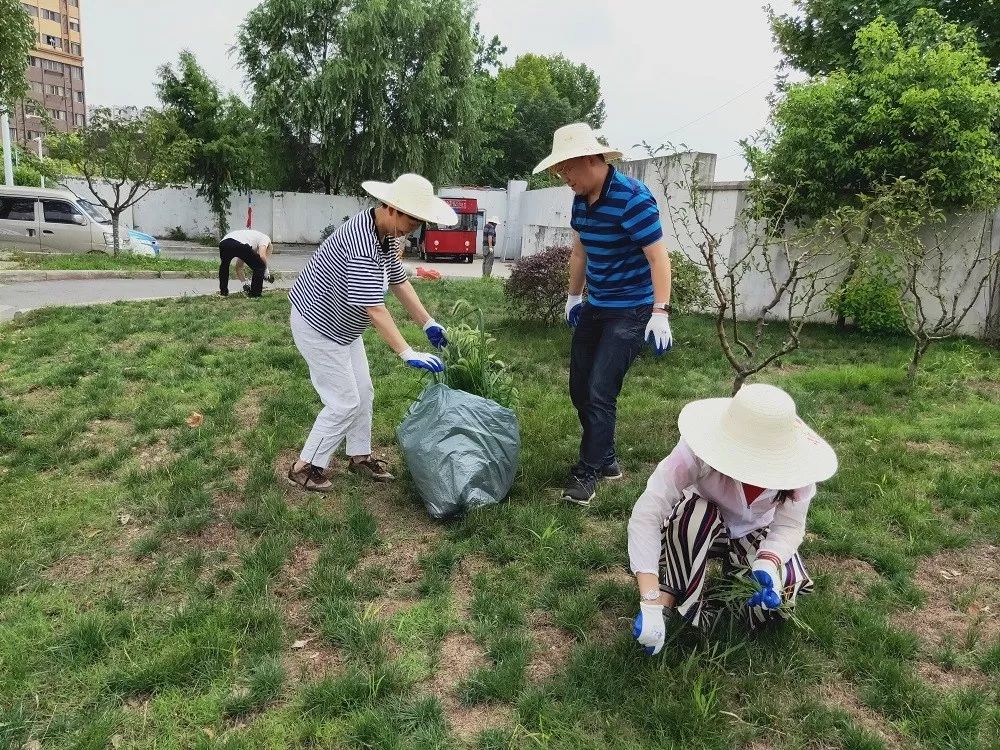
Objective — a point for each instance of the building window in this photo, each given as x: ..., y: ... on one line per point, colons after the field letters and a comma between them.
x: 79, y: 120
x: 56, y: 90
x: 58, y: 114
x: 32, y: 9
x: 52, y: 41
x: 75, y: 49
x: 37, y: 88
x: 33, y: 61
x: 74, y: 25
x: 75, y: 3
x: 79, y: 96
x: 51, y: 15
x: 76, y: 72
x: 52, y: 65
x: 33, y: 134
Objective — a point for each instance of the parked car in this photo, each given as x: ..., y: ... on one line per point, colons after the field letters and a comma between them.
x: 144, y: 244
x: 39, y: 219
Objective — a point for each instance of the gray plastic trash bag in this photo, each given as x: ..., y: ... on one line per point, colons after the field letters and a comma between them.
x: 462, y: 450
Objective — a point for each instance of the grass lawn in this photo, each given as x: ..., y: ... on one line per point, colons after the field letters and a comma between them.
x: 161, y: 586
x: 102, y: 262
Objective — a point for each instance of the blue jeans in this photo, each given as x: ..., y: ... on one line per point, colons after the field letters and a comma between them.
x: 605, y: 344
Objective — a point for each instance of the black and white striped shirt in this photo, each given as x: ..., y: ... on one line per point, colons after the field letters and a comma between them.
x: 348, y: 273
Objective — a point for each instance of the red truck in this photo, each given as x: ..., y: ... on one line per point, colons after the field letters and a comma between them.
x: 458, y: 242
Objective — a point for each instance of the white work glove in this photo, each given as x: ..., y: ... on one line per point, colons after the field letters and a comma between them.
x: 422, y: 360
x: 649, y: 628
x: 574, y: 306
x: 658, y: 333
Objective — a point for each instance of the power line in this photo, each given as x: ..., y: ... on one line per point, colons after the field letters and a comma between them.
x: 721, y: 106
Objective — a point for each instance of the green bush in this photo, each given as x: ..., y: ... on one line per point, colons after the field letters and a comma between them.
x: 871, y: 300
x: 25, y: 176
x: 536, y: 289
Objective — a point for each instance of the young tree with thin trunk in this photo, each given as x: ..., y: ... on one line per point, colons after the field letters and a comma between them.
x: 123, y: 159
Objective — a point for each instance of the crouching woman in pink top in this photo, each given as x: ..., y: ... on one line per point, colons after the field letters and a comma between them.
x: 736, y: 487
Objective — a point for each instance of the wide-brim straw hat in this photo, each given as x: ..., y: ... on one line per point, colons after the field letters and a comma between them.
x: 756, y: 437
x: 572, y: 141
x: 414, y: 196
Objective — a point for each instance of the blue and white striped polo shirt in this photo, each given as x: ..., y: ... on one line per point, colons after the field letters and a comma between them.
x: 614, y: 230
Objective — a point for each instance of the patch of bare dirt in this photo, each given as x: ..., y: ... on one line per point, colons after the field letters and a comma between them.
x: 990, y: 388
x: 235, y: 343
x: 843, y: 696
x: 308, y: 656
x: 935, y: 448
x: 853, y: 576
x: 950, y: 679
x: 461, y: 584
x: 38, y: 398
x: 156, y: 453
x: 552, y: 649
x: 961, y: 605
x: 105, y: 435
x: 458, y: 658
x: 247, y: 409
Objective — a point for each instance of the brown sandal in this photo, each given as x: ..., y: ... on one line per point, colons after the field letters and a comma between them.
x: 373, y: 468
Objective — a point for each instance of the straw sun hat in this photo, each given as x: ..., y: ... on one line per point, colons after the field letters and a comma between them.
x: 756, y: 437
x: 571, y: 141
x: 413, y: 195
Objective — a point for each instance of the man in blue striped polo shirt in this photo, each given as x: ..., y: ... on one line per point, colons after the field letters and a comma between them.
x: 618, y: 250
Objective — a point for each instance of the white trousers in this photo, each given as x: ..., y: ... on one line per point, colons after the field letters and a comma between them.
x: 341, y: 378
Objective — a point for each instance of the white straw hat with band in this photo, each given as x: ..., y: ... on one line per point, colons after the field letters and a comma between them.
x: 756, y: 437
x: 572, y: 141
x: 414, y: 196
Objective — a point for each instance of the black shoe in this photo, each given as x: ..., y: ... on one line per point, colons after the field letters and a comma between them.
x: 269, y: 278
x: 246, y: 289
x: 612, y: 471
x: 581, y: 488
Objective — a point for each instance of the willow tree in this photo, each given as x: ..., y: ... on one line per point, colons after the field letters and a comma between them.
x: 362, y: 90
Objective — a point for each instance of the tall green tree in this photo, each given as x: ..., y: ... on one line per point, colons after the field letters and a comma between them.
x: 364, y: 89
x: 543, y: 94
x: 16, y: 39
x: 818, y: 37
x: 123, y: 159
x: 228, y: 145
x: 918, y: 104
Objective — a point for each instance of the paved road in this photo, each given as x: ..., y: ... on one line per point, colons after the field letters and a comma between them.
x: 20, y: 297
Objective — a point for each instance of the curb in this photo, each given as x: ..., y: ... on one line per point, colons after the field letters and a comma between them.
x: 14, y: 277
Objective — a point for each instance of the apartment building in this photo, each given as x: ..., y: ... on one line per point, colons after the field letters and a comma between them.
x: 55, y: 72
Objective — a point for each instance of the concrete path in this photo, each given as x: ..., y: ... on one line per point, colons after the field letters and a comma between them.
x: 16, y: 298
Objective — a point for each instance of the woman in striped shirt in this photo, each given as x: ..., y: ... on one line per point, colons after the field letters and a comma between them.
x: 339, y: 293
x: 737, y: 487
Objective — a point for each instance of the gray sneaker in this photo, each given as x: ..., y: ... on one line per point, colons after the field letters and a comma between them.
x: 612, y: 471
x: 580, y: 489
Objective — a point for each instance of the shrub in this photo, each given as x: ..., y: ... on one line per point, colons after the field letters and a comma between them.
x: 537, y: 286
x: 25, y: 176
x: 871, y: 300
x: 536, y: 289
x: 177, y: 233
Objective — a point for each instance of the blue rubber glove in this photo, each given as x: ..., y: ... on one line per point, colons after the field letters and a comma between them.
x: 436, y: 334
x: 422, y: 361
x: 658, y: 333
x: 649, y: 628
x: 574, y: 307
x: 767, y: 597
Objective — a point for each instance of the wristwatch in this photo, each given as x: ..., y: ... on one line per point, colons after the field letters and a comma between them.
x: 665, y: 306
x: 650, y: 596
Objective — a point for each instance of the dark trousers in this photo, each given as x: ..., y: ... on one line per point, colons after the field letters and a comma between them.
x: 229, y: 249
x: 605, y: 344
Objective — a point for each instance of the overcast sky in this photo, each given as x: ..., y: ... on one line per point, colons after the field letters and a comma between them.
x: 689, y: 71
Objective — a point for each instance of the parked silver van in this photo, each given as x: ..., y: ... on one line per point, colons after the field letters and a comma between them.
x: 41, y: 220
